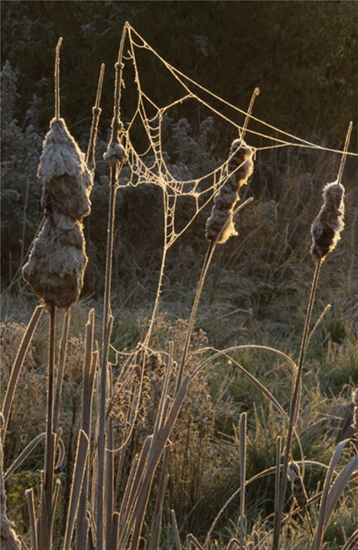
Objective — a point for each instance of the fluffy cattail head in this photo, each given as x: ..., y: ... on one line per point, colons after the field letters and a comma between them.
x: 56, y: 265
x: 298, y: 490
x: 328, y: 225
x: 220, y: 225
x: 67, y: 180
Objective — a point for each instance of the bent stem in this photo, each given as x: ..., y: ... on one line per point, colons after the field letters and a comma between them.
x: 295, y: 404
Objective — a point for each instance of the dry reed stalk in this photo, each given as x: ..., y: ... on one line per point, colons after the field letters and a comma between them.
x: 115, y: 157
x: 175, y: 529
x: 220, y: 225
x: 31, y: 507
x: 60, y: 370
x: 325, y: 232
x: 15, y: 371
x: 8, y: 537
x: 158, y: 511
x: 78, y: 474
x: 242, y: 436
x: 89, y: 368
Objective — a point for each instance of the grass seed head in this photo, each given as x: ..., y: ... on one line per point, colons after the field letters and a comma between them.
x: 328, y: 225
x: 220, y: 225
x: 298, y: 490
x: 56, y: 265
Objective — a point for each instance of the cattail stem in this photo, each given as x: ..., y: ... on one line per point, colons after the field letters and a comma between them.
x: 295, y: 403
x: 256, y: 92
x: 49, y: 462
x: 90, y: 156
x: 57, y: 79
x: 115, y: 158
x: 344, y: 155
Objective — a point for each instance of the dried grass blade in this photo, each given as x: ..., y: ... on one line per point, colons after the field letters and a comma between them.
x: 15, y: 372
x: 32, y: 514
x: 25, y: 453
x: 175, y: 529
x: 326, y: 487
x: 350, y: 541
x: 338, y: 487
x: 192, y: 540
x: 80, y: 464
x: 158, y: 512
x: 233, y: 544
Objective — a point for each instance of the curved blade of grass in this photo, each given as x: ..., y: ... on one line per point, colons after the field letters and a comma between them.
x: 338, y: 487
x: 192, y: 540
x: 324, y: 501
x: 15, y: 372
x: 267, y: 472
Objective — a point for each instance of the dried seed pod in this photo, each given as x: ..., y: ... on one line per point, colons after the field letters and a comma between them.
x: 240, y: 167
x: 328, y: 225
x: 67, y: 180
x: 298, y: 490
x: 56, y: 265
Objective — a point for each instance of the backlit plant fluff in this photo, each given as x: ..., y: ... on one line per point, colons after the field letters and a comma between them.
x: 58, y: 259
x: 328, y: 225
x: 220, y: 226
x: 298, y: 490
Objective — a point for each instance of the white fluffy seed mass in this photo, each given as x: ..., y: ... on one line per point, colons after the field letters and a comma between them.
x: 67, y: 180
x: 328, y: 225
x: 220, y: 226
x: 56, y: 265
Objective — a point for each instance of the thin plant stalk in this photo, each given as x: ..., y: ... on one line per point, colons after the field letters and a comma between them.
x: 89, y: 368
x: 60, y: 370
x: 115, y: 157
x: 242, y: 432
x: 294, y: 411
x: 175, y: 529
x: 15, y: 371
x: 31, y: 507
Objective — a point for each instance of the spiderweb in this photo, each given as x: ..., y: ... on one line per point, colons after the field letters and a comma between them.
x: 150, y: 166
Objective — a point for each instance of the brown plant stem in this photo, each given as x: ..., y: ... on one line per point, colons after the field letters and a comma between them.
x: 295, y: 403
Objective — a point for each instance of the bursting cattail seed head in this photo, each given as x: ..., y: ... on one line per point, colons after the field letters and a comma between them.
x: 67, y: 180
x: 328, y: 225
x: 298, y: 490
x: 355, y: 413
x: 220, y: 225
x: 56, y: 265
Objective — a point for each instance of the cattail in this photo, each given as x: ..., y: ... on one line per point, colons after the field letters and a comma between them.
x: 220, y: 225
x: 56, y: 266
x: 67, y: 180
x: 298, y: 490
x: 328, y: 225
x: 57, y: 261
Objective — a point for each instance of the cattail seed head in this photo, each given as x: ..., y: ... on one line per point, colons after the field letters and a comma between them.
x: 220, y: 225
x: 298, y: 490
x: 328, y: 225
x: 56, y: 265
x: 67, y: 180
